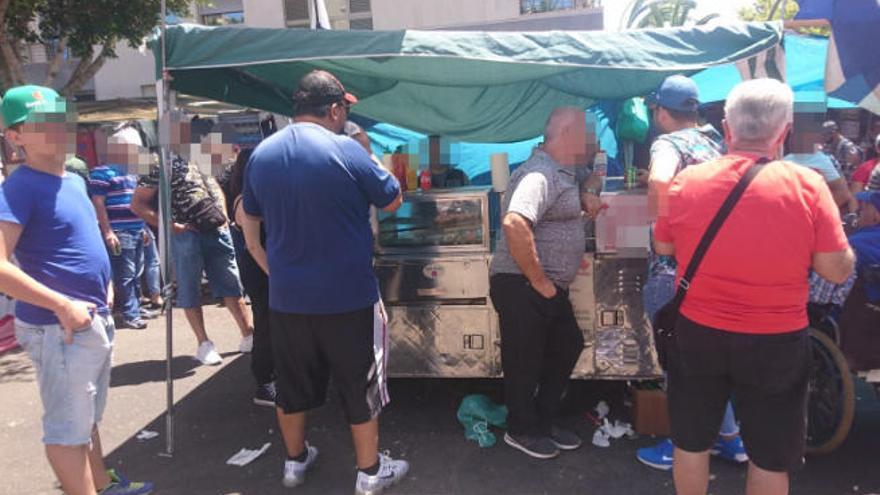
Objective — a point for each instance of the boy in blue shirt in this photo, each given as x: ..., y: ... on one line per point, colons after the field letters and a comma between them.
x: 62, y: 285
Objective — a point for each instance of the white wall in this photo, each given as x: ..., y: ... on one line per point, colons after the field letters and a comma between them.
x: 123, y: 77
x: 264, y: 13
x: 414, y: 14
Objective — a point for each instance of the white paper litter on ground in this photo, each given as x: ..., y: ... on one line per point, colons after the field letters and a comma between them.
x: 245, y: 456
x: 600, y: 438
x: 146, y: 435
x: 602, y: 409
x: 617, y: 430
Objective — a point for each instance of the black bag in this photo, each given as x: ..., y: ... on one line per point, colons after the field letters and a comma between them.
x: 206, y: 215
x: 666, y: 318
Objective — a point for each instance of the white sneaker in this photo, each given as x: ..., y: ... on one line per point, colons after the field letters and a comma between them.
x: 295, y: 472
x: 390, y: 472
x: 207, y: 355
x: 246, y: 346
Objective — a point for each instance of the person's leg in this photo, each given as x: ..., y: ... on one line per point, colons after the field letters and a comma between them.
x: 565, y: 342
x: 71, y: 467
x: 262, y: 363
x: 366, y: 443
x: 188, y: 265
x: 763, y: 482
x: 691, y: 472
x: 125, y: 275
x: 523, y: 337
x: 222, y: 271
x: 293, y: 431
x: 196, y: 320
x: 238, y: 309
x: 729, y: 427
x: 151, y: 269
x: 96, y: 462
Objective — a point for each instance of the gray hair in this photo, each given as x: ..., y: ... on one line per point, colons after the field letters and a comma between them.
x: 758, y: 110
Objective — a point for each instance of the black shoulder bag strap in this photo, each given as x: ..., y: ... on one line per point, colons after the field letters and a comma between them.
x: 711, y: 231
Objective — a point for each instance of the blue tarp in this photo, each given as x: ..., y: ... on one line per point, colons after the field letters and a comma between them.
x: 804, y: 72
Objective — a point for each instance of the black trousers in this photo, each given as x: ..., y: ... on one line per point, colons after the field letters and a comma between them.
x: 256, y: 286
x: 540, y: 345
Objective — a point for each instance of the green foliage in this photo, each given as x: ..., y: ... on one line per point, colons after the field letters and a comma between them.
x: 762, y: 9
x: 661, y: 13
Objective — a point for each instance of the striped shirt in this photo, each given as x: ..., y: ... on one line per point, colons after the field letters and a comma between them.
x: 117, y: 189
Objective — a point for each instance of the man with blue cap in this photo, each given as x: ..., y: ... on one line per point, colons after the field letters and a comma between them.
x: 682, y: 142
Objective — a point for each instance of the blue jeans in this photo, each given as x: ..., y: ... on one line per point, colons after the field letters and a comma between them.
x: 151, y: 266
x: 659, y: 290
x: 125, y: 271
x: 212, y: 252
x: 73, y: 378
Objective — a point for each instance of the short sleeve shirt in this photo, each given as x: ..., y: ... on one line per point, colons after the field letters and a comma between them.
x: 546, y: 194
x: 863, y: 173
x: 820, y: 162
x: 60, y: 244
x: 117, y: 189
x: 753, y: 279
x: 692, y: 146
x: 313, y: 189
x: 188, y: 186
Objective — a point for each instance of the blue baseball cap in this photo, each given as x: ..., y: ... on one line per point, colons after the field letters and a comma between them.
x: 870, y: 197
x: 676, y: 93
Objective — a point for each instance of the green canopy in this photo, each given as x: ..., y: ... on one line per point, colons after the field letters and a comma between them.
x: 473, y: 86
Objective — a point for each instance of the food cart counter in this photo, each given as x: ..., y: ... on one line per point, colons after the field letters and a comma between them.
x: 432, y: 262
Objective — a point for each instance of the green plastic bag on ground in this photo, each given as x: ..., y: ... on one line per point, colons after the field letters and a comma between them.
x: 633, y: 120
x: 476, y: 413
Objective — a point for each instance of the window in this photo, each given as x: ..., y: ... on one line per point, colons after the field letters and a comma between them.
x: 540, y: 6
x: 223, y: 19
x: 344, y: 14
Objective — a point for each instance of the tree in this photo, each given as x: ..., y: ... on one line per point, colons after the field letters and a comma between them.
x: 768, y: 10
x: 661, y: 13
x: 87, y: 30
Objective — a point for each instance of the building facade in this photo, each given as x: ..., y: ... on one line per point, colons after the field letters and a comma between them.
x: 131, y: 75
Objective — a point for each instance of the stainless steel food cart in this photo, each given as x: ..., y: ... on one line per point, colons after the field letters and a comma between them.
x: 432, y: 261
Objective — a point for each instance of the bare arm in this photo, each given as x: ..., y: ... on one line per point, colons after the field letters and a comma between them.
x: 394, y: 204
x: 141, y: 204
x: 664, y: 248
x: 835, y: 267
x: 521, y: 242
x: 110, y: 238
x: 843, y: 198
x: 590, y: 200
x: 664, y: 166
x: 250, y: 226
x: 21, y: 286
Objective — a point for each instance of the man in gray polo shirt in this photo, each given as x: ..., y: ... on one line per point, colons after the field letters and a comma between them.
x: 539, y: 252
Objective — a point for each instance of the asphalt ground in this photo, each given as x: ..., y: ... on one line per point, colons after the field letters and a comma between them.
x: 214, y: 418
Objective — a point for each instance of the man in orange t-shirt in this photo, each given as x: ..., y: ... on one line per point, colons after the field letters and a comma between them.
x: 742, y: 329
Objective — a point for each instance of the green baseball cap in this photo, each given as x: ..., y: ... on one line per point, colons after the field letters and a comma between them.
x: 22, y: 102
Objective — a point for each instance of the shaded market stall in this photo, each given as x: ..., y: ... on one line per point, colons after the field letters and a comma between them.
x: 496, y: 87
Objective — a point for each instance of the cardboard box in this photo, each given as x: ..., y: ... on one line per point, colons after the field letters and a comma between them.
x: 650, y: 413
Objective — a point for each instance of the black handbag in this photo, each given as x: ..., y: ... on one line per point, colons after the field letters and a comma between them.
x: 666, y: 318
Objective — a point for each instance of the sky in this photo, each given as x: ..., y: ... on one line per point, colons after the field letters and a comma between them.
x: 614, y: 9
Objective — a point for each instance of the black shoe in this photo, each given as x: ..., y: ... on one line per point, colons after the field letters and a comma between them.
x: 135, y: 324
x: 265, y: 395
x: 564, y: 439
x: 537, y: 447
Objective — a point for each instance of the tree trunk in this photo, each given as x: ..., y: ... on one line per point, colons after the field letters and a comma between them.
x: 86, y: 70
x: 55, y: 64
x: 12, y: 66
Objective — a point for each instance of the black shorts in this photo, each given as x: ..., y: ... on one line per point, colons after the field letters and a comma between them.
x: 309, y: 349
x: 765, y: 374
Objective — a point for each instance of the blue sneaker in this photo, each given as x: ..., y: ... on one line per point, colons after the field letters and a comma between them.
x: 658, y: 456
x: 731, y: 450
x: 120, y: 485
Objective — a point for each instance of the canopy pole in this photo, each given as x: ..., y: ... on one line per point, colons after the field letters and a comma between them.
x: 163, y: 100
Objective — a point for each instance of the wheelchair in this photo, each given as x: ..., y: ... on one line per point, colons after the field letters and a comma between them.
x: 843, y: 347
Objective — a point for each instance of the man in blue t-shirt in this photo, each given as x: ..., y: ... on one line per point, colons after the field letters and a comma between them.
x: 312, y: 189
x: 111, y: 187
x: 62, y: 285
